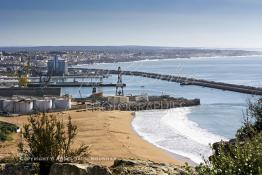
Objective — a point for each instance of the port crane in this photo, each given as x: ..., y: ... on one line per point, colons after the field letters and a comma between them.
x: 23, y: 74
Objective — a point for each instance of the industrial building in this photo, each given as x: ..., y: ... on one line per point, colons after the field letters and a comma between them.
x: 57, y: 67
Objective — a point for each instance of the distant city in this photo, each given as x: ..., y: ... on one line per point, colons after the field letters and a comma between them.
x: 12, y: 57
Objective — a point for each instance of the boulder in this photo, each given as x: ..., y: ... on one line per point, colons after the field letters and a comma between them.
x: 78, y: 169
x: 120, y: 167
x: 19, y: 168
x: 140, y: 167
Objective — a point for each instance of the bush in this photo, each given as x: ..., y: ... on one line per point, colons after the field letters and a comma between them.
x: 10, y: 159
x: 239, y: 159
x: 240, y: 156
x: 253, y: 121
x: 49, y: 139
x: 6, y: 129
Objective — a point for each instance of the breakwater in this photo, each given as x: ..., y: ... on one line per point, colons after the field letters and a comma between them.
x: 183, y: 80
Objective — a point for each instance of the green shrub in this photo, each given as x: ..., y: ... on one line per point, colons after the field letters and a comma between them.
x: 49, y: 139
x: 239, y: 159
x: 253, y: 121
x: 6, y: 129
x: 242, y: 156
x: 10, y: 159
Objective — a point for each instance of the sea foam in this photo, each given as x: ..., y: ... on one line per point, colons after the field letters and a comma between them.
x: 173, y: 131
x: 178, y: 121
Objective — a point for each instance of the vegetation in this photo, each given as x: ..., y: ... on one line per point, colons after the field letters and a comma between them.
x: 49, y: 139
x: 253, y: 122
x: 5, y: 130
x: 10, y: 159
x: 240, y: 156
x: 238, y: 159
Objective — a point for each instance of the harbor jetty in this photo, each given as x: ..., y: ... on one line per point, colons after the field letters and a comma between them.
x: 182, y: 80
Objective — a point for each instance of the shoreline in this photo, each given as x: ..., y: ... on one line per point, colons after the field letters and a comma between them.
x: 110, y: 134
x: 166, y: 59
x: 177, y: 157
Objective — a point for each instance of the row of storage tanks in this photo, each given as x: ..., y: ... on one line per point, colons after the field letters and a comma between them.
x: 25, y: 106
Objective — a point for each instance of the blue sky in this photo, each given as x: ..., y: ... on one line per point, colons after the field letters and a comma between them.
x: 187, y: 23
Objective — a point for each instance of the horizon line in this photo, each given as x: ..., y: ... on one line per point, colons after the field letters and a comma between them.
x: 156, y: 46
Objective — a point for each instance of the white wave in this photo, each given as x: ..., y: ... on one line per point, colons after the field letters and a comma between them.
x: 171, y: 130
x: 177, y: 120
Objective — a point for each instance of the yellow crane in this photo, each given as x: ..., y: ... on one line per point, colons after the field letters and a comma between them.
x: 23, y: 74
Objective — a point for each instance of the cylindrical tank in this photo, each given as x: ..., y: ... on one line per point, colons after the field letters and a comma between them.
x: 62, y: 103
x: 8, y: 106
x: 23, y: 107
x: 43, y: 105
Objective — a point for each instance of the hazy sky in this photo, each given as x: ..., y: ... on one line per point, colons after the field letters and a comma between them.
x: 193, y: 23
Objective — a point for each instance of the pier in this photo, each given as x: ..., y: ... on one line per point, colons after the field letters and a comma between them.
x: 182, y: 80
x: 30, y: 91
x: 74, y: 84
x: 65, y: 77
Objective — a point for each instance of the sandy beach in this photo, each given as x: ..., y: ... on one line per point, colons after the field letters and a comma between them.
x: 109, y: 133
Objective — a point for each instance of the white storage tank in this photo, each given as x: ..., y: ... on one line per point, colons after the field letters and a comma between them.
x: 8, y: 106
x: 43, y: 105
x: 62, y: 103
x: 23, y: 106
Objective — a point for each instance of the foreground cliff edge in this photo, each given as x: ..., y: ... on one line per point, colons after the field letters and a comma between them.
x: 120, y: 167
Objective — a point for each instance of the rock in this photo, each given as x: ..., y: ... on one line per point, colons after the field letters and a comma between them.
x: 19, y: 169
x: 140, y: 167
x: 78, y: 169
x: 122, y: 162
x: 120, y: 167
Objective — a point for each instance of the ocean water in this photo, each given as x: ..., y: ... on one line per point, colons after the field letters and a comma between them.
x: 188, y: 131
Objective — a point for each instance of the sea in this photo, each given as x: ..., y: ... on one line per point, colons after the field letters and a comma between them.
x: 187, y: 131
